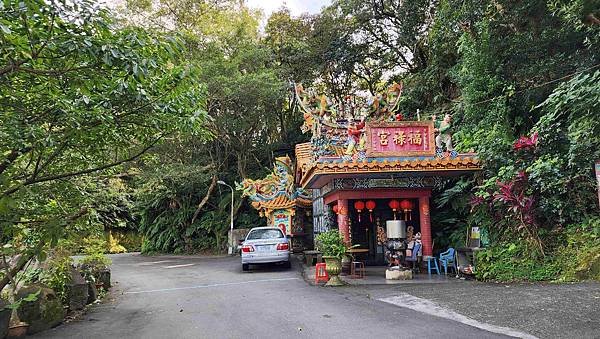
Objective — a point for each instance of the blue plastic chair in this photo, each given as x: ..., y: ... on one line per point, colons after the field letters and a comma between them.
x: 413, y: 258
x: 432, y: 264
x: 447, y: 260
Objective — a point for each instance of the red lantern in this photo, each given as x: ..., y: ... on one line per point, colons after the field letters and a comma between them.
x: 371, y: 206
x: 407, y: 206
x: 359, y: 205
x: 335, y: 209
x: 394, y: 205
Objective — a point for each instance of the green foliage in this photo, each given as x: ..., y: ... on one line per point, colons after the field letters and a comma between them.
x: 449, y: 215
x: 119, y: 242
x: 331, y: 243
x: 574, y: 256
x: 81, y: 95
x: 56, y: 273
x: 250, y: 120
x: 579, y: 254
x: 127, y: 125
x: 514, y: 261
x: 569, y: 132
x: 96, y: 260
x: 166, y: 203
x: 30, y: 298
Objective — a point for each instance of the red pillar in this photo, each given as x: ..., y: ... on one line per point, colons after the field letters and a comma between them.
x: 342, y: 220
x: 425, y: 226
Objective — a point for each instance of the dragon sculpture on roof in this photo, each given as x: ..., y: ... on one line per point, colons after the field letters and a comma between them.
x: 277, y: 183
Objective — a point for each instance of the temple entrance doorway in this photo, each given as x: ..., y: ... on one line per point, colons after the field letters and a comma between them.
x: 364, y: 225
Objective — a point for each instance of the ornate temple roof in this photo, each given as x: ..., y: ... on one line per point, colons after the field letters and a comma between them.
x: 317, y: 173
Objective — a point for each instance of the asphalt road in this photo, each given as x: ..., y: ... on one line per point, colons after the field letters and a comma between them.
x: 200, y: 297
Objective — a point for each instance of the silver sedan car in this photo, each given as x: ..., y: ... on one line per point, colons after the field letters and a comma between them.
x: 265, y: 245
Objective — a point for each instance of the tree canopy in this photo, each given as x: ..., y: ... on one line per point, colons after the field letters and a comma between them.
x: 80, y: 95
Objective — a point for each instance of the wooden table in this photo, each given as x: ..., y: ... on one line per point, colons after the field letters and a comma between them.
x: 354, y: 251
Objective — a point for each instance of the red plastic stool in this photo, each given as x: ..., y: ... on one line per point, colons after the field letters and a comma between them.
x: 321, y: 273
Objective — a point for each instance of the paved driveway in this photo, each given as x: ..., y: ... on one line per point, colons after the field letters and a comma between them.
x: 200, y: 297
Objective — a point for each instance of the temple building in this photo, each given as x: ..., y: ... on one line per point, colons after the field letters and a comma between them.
x: 366, y: 164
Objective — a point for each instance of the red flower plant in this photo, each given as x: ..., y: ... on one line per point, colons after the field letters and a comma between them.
x: 476, y: 201
x: 526, y: 143
x: 522, y: 206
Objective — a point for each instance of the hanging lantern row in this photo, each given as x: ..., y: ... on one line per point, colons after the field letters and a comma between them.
x: 405, y: 205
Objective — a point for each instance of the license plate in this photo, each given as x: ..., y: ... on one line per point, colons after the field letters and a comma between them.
x: 264, y: 248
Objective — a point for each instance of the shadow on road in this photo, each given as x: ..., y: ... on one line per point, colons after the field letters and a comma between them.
x: 267, y: 268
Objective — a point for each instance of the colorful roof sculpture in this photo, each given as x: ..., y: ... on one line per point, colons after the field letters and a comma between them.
x: 368, y: 138
x: 276, y: 191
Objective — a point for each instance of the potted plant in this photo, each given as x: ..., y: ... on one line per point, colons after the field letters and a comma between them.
x: 331, y: 244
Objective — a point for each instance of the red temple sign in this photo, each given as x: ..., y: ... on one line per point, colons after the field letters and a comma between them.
x: 400, y: 138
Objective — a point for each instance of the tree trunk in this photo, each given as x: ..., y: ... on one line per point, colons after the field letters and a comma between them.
x: 211, y: 188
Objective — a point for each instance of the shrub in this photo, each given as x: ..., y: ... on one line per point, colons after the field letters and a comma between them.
x: 95, y: 259
x: 515, y: 261
x: 114, y: 246
x: 98, y: 261
x: 57, y: 273
x: 580, y: 254
x: 331, y: 244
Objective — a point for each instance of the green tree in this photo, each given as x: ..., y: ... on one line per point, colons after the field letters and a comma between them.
x: 79, y: 95
x: 249, y: 118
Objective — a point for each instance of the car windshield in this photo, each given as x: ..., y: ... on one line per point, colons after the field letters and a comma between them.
x: 265, y: 234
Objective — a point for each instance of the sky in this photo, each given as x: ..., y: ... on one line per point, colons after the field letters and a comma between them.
x: 296, y: 7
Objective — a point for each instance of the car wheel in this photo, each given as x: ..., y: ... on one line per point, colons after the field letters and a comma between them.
x: 245, y: 267
x: 287, y: 264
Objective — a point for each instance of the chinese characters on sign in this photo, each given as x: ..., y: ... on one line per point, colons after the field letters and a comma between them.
x: 400, y: 138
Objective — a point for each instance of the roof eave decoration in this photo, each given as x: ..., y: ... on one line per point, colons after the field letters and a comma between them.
x: 461, y: 163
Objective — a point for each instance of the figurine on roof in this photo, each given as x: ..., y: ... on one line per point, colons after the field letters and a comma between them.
x: 444, y: 136
x: 356, y: 140
x: 383, y: 105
